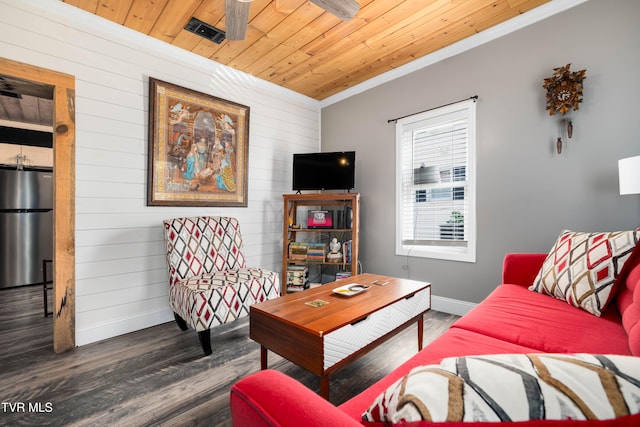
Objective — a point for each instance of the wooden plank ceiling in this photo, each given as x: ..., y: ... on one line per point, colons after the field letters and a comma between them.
x: 296, y: 44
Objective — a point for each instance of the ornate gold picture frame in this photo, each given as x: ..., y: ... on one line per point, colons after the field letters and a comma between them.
x: 198, y: 148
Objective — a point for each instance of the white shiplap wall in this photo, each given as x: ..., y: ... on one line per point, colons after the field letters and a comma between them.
x: 121, y: 278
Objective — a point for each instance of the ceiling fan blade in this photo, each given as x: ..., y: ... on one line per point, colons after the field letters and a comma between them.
x: 343, y: 9
x: 236, y: 18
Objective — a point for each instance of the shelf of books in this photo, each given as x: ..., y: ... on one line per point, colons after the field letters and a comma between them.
x: 320, y: 238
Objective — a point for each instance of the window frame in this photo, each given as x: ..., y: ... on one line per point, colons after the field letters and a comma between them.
x: 441, y: 250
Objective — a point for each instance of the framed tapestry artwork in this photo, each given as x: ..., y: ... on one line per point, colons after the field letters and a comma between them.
x: 198, y: 148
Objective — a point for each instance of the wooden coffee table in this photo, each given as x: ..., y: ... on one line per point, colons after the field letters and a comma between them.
x: 325, y: 339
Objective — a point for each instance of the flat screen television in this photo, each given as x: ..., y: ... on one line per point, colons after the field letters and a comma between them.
x: 324, y: 171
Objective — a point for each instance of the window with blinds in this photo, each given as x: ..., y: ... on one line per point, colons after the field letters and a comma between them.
x: 435, y: 183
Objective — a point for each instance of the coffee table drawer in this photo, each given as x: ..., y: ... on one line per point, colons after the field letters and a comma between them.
x: 343, y: 342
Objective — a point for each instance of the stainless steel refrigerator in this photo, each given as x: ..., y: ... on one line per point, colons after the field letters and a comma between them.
x: 26, y: 224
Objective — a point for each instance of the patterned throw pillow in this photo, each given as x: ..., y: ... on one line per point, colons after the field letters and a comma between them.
x: 582, y: 268
x: 530, y: 387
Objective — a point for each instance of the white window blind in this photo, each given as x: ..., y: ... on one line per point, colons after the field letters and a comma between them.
x: 435, y: 189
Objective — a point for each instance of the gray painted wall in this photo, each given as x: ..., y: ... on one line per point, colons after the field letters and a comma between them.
x: 526, y: 193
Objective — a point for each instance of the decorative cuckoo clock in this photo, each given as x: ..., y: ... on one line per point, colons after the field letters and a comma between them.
x: 564, y: 92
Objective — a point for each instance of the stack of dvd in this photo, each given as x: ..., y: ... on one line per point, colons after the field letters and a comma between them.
x: 297, y: 278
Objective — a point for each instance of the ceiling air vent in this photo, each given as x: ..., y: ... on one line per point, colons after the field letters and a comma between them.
x: 205, y: 30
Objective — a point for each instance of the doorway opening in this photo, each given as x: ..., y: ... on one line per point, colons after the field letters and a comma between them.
x: 63, y: 142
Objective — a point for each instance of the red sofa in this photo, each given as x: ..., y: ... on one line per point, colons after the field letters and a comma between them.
x: 512, y: 319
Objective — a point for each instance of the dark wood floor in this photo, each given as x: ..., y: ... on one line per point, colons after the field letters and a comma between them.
x: 154, y: 377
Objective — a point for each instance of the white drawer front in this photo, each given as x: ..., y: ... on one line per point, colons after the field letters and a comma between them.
x: 345, y: 341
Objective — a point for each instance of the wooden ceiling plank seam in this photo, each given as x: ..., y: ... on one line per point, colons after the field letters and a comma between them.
x: 296, y: 57
x: 253, y: 53
x: 515, y: 4
x: 232, y: 49
x: 143, y: 14
x: 293, y: 23
x: 438, y: 13
x: 210, y: 12
x: 411, y: 32
x: 88, y: 5
x: 173, y: 19
x: 114, y: 10
x: 459, y: 21
x: 369, y: 13
x: 347, y: 74
x: 352, y: 44
x: 274, y: 13
x: 279, y: 33
x: 402, y: 54
x: 310, y: 31
x: 278, y: 53
x: 323, y: 38
x: 186, y: 40
x: 446, y: 36
x: 205, y: 48
x: 523, y: 6
x: 324, y: 88
x: 263, y: 21
x: 444, y: 16
x: 316, y: 29
x: 351, y: 59
x: 298, y: 71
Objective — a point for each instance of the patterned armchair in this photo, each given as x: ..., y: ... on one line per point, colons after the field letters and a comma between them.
x: 209, y: 284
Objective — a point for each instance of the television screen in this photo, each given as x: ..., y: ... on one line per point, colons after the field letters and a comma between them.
x: 324, y: 171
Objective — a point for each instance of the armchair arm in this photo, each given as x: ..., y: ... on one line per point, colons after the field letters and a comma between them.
x: 521, y: 268
x: 271, y: 398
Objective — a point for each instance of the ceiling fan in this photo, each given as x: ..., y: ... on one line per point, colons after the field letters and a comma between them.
x: 237, y: 14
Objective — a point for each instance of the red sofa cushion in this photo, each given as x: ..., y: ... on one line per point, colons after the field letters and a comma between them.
x: 271, y: 398
x: 628, y: 303
x: 521, y: 268
x: 513, y: 313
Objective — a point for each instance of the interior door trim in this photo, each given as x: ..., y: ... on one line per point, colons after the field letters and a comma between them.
x: 64, y: 137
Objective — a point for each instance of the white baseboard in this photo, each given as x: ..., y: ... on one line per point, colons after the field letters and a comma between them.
x: 451, y: 306
x: 121, y: 327
x: 146, y: 320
